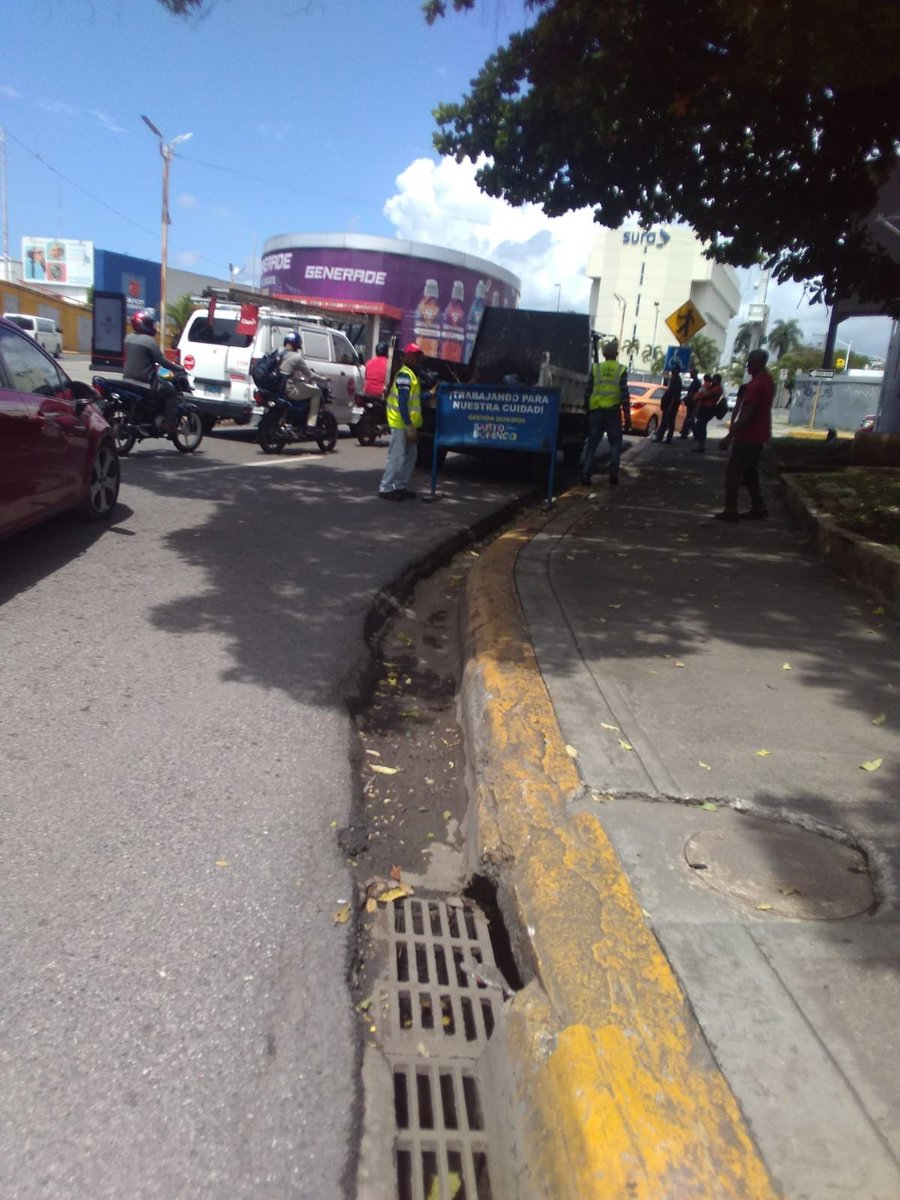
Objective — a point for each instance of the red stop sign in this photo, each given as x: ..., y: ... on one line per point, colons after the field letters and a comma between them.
x: 189, y: 362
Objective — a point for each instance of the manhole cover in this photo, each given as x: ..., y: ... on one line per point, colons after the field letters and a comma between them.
x: 435, y: 1010
x: 778, y: 868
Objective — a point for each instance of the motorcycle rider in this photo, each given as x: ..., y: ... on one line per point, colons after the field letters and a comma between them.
x: 376, y: 373
x: 300, y: 380
x: 142, y: 357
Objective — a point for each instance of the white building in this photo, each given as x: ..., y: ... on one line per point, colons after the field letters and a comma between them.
x: 639, y: 277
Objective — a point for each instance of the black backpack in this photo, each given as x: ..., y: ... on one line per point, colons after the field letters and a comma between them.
x: 265, y: 373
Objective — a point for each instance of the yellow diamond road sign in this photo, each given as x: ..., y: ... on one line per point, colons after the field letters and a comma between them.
x: 685, y: 322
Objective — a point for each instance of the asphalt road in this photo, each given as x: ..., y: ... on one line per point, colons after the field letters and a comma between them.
x: 175, y: 766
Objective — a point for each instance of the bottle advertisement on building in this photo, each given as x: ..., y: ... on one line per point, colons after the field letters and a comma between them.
x: 435, y: 303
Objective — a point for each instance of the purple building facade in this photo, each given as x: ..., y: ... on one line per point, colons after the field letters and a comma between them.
x: 412, y: 290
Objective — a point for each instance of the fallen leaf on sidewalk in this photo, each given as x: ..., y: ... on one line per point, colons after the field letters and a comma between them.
x: 679, y: 664
x: 614, y: 606
x: 396, y: 873
x: 762, y: 753
x: 879, y: 720
x: 786, y: 667
x: 790, y: 891
x: 879, y: 611
x: 705, y: 766
x: 603, y: 725
x: 709, y: 806
x: 342, y: 916
x: 374, y: 753
x: 383, y: 770
x: 625, y: 745
x: 765, y: 907
x: 571, y: 751
x: 222, y: 862
x: 873, y: 765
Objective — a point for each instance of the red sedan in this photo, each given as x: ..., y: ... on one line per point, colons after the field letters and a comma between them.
x: 56, y: 450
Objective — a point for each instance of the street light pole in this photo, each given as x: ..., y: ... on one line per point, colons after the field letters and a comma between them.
x: 624, y: 304
x: 653, y: 343
x: 166, y: 150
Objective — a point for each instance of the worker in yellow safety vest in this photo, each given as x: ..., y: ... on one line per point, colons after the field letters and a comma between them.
x: 608, y: 411
x: 404, y: 418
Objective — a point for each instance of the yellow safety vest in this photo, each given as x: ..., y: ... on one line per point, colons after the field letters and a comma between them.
x: 606, y: 392
x: 395, y: 421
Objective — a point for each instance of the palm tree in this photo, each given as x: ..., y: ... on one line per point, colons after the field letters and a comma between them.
x: 704, y: 352
x: 784, y: 337
x: 743, y: 340
x: 632, y: 347
x: 177, y: 315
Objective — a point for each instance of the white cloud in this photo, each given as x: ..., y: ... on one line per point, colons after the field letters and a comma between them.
x: 9, y: 93
x: 58, y: 108
x: 105, y: 121
x: 440, y: 203
x: 186, y: 200
x: 276, y: 131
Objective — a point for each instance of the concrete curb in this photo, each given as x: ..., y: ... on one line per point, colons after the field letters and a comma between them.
x: 614, y: 1092
x: 869, y: 565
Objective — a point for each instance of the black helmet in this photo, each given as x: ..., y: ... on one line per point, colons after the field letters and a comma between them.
x: 382, y: 349
x: 293, y: 339
x: 143, y: 322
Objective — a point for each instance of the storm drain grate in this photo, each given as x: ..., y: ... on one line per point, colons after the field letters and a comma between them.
x: 439, y: 1005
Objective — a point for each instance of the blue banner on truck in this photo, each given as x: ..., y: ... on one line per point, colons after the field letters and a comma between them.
x: 490, y: 417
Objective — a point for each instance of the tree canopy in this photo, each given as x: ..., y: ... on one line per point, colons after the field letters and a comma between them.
x: 767, y: 128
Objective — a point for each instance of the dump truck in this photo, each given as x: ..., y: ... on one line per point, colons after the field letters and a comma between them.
x: 516, y: 348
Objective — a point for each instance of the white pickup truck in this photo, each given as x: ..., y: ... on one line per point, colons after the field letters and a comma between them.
x: 217, y: 357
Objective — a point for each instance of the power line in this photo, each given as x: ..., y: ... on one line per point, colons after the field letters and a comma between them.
x: 71, y: 182
x: 290, y: 187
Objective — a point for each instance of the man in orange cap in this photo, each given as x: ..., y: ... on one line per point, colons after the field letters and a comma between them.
x: 404, y: 418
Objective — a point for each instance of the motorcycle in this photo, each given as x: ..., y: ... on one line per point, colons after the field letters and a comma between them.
x: 372, y: 423
x: 135, y: 412
x: 284, y: 421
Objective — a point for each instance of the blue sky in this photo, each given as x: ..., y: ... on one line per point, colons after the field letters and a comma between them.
x: 307, y: 116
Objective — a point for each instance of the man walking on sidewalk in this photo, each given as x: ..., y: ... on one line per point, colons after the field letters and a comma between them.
x: 670, y: 404
x: 751, y: 429
x: 609, y: 406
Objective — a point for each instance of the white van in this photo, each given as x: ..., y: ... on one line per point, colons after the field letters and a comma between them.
x: 45, y: 331
x: 217, y: 357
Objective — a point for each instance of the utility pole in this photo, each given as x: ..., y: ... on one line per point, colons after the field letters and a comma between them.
x: 166, y: 150
x: 5, y: 204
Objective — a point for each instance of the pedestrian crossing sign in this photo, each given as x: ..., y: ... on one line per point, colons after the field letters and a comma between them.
x: 685, y: 322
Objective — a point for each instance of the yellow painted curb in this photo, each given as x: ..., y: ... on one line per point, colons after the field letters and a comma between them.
x: 621, y: 1094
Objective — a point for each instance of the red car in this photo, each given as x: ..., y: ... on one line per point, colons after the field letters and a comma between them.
x: 56, y: 450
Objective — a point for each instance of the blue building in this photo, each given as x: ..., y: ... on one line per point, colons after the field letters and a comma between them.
x: 136, y: 278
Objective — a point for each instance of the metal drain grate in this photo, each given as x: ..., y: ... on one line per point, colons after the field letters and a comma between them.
x: 434, y: 1020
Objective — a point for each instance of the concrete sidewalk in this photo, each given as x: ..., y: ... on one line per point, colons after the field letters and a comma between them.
x: 715, y: 691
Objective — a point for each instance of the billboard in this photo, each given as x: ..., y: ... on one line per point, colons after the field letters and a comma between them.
x: 437, y: 304
x: 58, y: 262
